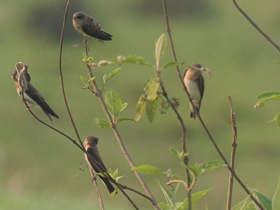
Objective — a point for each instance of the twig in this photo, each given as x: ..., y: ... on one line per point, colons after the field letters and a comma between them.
x: 256, y: 26
x: 98, y: 93
x: 183, y: 138
x: 232, y: 159
x: 100, y: 200
x: 199, y: 117
x: 61, y: 75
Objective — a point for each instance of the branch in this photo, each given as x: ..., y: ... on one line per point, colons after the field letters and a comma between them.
x: 232, y: 159
x: 100, y: 201
x: 61, y: 75
x: 256, y: 26
x: 98, y: 94
x: 199, y: 117
x: 183, y: 138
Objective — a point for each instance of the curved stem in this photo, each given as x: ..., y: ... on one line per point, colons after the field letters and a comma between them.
x: 61, y: 75
x: 198, y: 115
x: 256, y: 26
x: 99, y: 96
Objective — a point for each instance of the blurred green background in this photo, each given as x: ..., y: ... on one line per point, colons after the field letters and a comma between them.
x: 40, y: 168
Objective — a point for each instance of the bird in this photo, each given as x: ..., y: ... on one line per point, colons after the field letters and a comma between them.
x: 194, y: 83
x: 95, y: 162
x: 87, y: 26
x: 31, y: 95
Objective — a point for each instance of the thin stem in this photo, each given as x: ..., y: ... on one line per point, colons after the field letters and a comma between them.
x: 98, y: 93
x: 256, y: 26
x: 100, y: 200
x: 61, y: 75
x: 184, y: 130
x: 233, y: 150
x: 198, y: 115
x: 51, y: 127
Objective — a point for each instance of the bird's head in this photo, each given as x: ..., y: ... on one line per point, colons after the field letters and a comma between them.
x: 90, y: 141
x: 78, y: 16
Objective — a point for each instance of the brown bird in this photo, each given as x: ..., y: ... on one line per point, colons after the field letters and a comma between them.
x: 97, y: 165
x: 87, y: 26
x: 31, y: 95
x: 194, y: 83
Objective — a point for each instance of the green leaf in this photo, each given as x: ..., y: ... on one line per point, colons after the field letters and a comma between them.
x: 151, y: 109
x: 124, y: 105
x: 152, y: 88
x: 267, y: 97
x: 113, y: 102
x: 276, y: 197
x: 147, y: 169
x: 242, y: 205
x: 211, y: 165
x: 174, y: 151
x: 195, y: 169
x: 268, y: 94
x: 105, y: 78
x: 102, y: 123
x: 168, y: 196
x: 140, y: 108
x: 195, y: 197
x: 125, y: 119
x: 133, y: 59
x: 265, y: 201
x: 91, y: 79
x: 84, y: 80
x: 164, y: 206
x: 114, y: 72
x: 171, y: 64
x: 276, y: 119
x: 159, y: 49
x: 115, y: 173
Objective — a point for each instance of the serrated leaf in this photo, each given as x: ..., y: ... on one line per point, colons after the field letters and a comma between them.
x: 124, y: 105
x: 113, y: 102
x: 102, y: 123
x: 195, y: 197
x: 114, y: 72
x: 169, y: 198
x: 265, y: 201
x: 147, y: 169
x: 276, y: 197
x: 140, y: 108
x: 152, y: 88
x: 159, y: 49
x: 276, y: 119
x: 151, y: 109
x: 211, y: 165
x: 171, y: 64
x: 125, y: 119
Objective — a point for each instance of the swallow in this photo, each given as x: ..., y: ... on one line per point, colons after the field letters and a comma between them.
x: 87, y: 26
x: 31, y: 95
x: 194, y: 83
x: 98, y: 166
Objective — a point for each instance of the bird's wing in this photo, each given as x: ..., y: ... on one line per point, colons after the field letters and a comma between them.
x: 97, y: 159
x: 36, y: 96
x: 93, y: 29
x: 201, y: 87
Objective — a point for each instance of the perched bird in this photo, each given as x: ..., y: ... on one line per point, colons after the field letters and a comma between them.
x: 94, y: 157
x: 194, y: 83
x: 31, y: 95
x: 87, y: 26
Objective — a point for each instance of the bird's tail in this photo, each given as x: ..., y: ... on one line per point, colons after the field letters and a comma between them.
x: 107, y: 183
